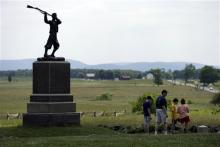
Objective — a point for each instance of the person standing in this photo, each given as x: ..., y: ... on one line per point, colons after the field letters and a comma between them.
x: 174, y: 116
x: 183, y: 111
x: 147, y: 113
x: 161, y: 112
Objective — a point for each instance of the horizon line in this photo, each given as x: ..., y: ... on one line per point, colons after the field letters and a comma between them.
x: 124, y: 62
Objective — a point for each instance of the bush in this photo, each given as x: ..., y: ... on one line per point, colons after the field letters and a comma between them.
x: 104, y: 97
x: 216, y: 99
x: 137, y: 106
x: 189, y: 102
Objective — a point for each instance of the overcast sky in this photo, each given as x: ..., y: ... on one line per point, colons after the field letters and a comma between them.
x: 104, y: 31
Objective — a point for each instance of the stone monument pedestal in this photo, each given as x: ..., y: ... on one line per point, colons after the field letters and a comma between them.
x: 51, y: 103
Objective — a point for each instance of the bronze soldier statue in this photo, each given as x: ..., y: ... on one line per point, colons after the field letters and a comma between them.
x: 52, y: 40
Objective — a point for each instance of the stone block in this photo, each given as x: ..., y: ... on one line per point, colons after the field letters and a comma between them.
x: 203, y: 129
x: 51, y: 98
x: 51, y: 119
x: 51, y: 107
x: 51, y: 77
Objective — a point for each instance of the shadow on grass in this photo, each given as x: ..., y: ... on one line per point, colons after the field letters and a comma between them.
x: 20, y: 131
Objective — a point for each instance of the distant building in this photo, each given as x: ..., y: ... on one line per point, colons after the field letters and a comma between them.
x: 90, y: 75
x: 150, y: 76
x: 125, y: 78
x: 116, y: 79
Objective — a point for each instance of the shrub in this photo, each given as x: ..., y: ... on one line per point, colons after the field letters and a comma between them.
x: 104, y: 97
x: 137, y: 106
x: 216, y: 99
x: 189, y: 102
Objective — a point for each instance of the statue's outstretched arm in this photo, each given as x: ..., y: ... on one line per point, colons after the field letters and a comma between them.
x: 45, y: 18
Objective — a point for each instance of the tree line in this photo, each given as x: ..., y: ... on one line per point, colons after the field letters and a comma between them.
x: 82, y: 73
x: 105, y: 74
x: 206, y: 74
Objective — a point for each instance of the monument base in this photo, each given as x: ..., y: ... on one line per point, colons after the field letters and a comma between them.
x: 51, y: 103
x: 51, y: 119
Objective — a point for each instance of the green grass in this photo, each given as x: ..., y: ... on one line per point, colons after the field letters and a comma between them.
x: 15, y: 95
x: 88, y: 134
x: 117, y: 140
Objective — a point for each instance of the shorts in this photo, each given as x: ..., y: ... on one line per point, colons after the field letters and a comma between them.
x: 184, y: 120
x: 147, y: 119
x: 161, y: 116
x: 52, y: 40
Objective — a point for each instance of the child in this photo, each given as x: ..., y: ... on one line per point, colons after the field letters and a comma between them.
x: 183, y: 111
x: 174, y: 116
x: 161, y: 112
x: 147, y: 113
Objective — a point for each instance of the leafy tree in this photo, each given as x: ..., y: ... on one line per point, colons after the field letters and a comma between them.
x: 9, y: 78
x: 168, y: 75
x: 100, y: 74
x: 175, y: 75
x: 189, y: 72
x: 157, y: 76
x: 178, y: 74
x: 137, y: 106
x: 208, y: 74
x: 139, y: 76
x: 109, y: 75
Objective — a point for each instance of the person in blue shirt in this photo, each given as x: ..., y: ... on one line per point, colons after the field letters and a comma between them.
x: 161, y: 112
x: 147, y: 113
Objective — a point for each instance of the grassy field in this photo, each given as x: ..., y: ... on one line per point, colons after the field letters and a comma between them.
x: 88, y: 134
x: 15, y: 95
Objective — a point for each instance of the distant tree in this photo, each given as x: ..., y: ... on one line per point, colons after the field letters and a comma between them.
x: 10, y: 74
x: 175, y: 75
x: 100, y: 74
x: 9, y: 78
x: 139, y: 76
x: 81, y: 75
x: 168, y: 75
x: 189, y: 72
x: 109, y: 75
x: 197, y: 74
x: 208, y: 74
x: 157, y: 76
x: 117, y: 73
